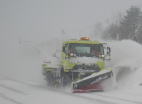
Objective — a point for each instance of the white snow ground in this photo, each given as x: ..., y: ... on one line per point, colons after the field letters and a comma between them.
x: 28, y: 87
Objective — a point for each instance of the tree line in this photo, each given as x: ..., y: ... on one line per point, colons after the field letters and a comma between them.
x: 129, y: 26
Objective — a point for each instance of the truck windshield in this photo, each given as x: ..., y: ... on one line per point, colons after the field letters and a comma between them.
x: 88, y: 50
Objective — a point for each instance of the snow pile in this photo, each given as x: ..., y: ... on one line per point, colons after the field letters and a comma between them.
x: 126, y: 63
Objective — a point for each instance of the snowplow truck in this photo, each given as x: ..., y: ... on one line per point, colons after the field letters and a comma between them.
x: 82, y: 65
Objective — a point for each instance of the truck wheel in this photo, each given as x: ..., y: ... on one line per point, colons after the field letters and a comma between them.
x: 66, y: 80
x: 50, y: 79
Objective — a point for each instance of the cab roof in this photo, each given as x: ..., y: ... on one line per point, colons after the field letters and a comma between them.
x: 82, y: 42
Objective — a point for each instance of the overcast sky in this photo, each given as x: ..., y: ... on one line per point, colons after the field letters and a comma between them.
x: 40, y: 19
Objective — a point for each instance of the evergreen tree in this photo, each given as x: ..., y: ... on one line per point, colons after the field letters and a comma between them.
x: 128, y: 27
x: 129, y: 24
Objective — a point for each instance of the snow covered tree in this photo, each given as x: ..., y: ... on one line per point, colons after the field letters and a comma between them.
x: 138, y: 35
x: 128, y: 27
x: 129, y: 24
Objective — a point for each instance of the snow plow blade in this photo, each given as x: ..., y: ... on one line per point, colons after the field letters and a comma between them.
x: 91, y: 83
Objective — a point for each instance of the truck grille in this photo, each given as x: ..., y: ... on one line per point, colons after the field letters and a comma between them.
x: 89, y: 68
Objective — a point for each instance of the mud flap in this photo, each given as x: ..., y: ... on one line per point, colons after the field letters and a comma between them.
x: 92, y: 82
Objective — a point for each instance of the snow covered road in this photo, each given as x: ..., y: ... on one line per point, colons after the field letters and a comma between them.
x: 129, y: 96
x: 18, y: 92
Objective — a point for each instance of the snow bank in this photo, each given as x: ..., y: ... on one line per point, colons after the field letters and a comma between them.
x: 126, y: 62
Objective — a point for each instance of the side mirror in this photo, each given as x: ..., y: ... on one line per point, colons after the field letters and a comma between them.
x: 108, y: 51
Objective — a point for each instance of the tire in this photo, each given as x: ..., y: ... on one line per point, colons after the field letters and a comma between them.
x: 66, y: 79
x: 50, y: 79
